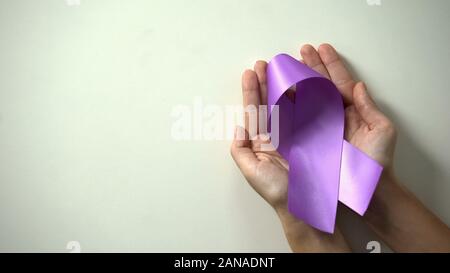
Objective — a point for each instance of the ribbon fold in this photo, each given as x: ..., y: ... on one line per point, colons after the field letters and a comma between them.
x: 323, y: 167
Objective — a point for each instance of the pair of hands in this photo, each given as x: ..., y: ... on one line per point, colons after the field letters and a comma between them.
x: 395, y: 214
x: 366, y: 127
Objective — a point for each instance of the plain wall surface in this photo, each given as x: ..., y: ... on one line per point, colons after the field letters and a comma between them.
x: 87, y: 92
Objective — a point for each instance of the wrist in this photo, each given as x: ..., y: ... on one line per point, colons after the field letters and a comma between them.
x: 282, y: 211
x: 290, y: 223
x: 388, y: 181
x: 384, y: 195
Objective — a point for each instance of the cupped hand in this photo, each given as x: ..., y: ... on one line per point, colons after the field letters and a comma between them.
x: 266, y: 171
x: 366, y: 127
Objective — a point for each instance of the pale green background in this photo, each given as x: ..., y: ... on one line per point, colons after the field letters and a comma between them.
x: 87, y: 91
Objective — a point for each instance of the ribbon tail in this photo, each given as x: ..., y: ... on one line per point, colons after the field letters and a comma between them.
x: 359, y: 178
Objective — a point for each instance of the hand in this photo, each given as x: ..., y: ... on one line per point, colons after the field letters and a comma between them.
x: 395, y: 214
x: 266, y: 171
x: 366, y: 127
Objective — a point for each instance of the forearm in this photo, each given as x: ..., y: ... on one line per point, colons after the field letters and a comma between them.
x: 303, y: 238
x: 403, y: 222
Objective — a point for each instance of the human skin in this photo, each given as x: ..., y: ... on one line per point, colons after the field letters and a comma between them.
x: 395, y: 214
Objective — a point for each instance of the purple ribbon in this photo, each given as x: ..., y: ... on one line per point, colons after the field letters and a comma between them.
x: 323, y: 167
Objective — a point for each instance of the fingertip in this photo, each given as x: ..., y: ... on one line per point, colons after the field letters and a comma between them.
x: 249, y: 80
x: 307, y: 50
x: 247, y: 74
x: 367, y: 107
x: 362, y: 86
x: 259, y: 64
x: 327, y: 53
x: 260, y: 69
x: 326, y: 48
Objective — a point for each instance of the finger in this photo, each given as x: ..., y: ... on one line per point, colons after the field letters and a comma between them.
x: 260, y: 69
x: 366, y: 107
x: 261, y: 73
x: 242, y: 153
x: 339, y: 74
x: 251, y: 97
x: 312, y: 59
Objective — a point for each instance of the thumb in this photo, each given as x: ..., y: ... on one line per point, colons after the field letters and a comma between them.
x: 365, y: 106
